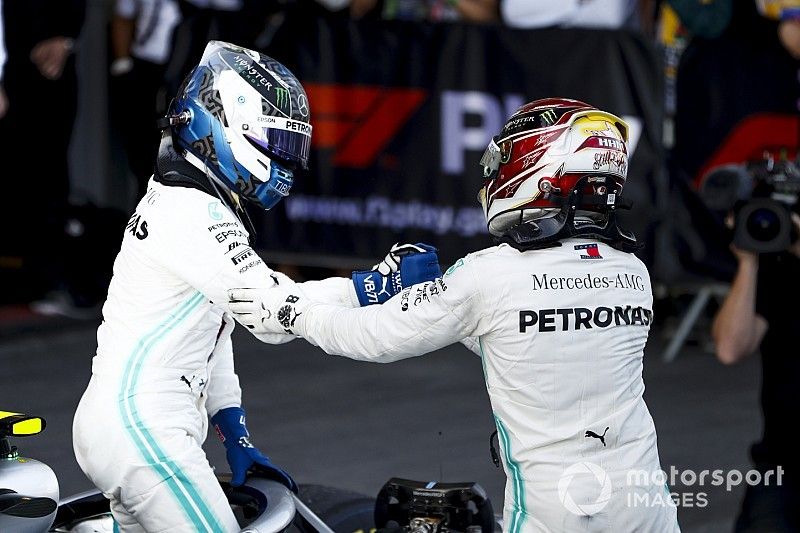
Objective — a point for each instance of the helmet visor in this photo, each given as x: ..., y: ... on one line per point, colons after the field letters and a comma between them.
x: 495, y: 155
x: 285, y: 139
x: 490, y: 161
x: 262, y: 100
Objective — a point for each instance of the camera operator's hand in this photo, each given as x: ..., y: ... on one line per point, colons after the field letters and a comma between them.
x: 742, y: 256
x: 795, y: 247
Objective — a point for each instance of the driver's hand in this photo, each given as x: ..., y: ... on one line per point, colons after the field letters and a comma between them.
x: 267, y: 311
x: 405, y: 265
x: 242, y: 456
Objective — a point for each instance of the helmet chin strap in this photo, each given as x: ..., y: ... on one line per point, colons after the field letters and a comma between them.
x: 547, y: 232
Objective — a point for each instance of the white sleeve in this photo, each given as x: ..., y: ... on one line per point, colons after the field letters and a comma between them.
x: 210, y: 252
x: 204, y: 244
x: 421, y: 319
x: 201, y: 242
x: 223, y: 384
x: 332, y: 291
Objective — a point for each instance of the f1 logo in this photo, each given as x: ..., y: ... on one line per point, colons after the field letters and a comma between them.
x: 358, y: 121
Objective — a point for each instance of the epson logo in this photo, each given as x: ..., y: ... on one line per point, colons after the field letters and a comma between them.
x: 223, y: 235
x: 576, y: 318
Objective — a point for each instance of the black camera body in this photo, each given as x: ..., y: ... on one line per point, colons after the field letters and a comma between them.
x: 761, y: 195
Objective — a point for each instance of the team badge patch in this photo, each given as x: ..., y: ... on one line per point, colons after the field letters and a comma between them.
x: 590, y: 251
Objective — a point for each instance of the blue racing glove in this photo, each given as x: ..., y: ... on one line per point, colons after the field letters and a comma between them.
x: 243, y: 456
x: 404, y: 265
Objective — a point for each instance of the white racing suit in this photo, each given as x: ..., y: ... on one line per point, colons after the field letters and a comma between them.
x: 561, y: 333
x: 164, y: 361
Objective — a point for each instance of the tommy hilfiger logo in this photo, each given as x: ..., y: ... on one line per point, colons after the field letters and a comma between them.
x: 591, y: 251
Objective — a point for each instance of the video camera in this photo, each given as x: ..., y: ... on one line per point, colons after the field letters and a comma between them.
x: 761, y: 195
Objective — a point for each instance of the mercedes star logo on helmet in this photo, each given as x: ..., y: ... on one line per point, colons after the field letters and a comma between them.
x: 302, y: 105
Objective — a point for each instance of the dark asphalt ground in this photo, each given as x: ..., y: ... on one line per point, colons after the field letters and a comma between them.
x: 354, y: 425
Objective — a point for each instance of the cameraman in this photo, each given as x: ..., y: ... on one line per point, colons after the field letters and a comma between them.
x: 752, y: 317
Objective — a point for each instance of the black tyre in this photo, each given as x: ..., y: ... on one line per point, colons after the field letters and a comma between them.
x: 342, y: 510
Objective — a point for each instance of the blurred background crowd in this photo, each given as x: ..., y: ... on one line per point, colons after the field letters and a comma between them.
x: 404, y: 97
x: 83, y: 83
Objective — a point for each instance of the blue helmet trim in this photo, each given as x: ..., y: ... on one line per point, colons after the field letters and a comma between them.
x: 268, y: 194
x: 278, y: 133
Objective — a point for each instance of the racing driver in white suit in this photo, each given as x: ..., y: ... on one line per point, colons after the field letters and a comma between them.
x: 559, y: 312
x: 237, y: 131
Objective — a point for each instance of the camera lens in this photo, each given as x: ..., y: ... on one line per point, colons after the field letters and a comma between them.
x: 763, y: 224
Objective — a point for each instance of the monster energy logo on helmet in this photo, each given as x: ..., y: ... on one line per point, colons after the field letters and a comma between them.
x: 277, y: 86
x: 250, y: 71
x: 260, y: 78
x: 281, y: 97
x: 549, y: 117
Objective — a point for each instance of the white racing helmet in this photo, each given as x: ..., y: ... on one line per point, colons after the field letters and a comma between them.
x: 559, y: 165
x: 244, y: 119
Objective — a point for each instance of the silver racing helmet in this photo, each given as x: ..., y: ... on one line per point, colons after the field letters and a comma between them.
x: 244, y: 119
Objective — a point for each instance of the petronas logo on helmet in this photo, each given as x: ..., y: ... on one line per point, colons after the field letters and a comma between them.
x: 281, y: 97
x: 236, y: 149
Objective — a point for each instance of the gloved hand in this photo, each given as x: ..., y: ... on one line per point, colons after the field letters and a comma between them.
x: 241, y: 454
x: 251, y: 314
x: 403, y: 266
x: 267, y: 311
